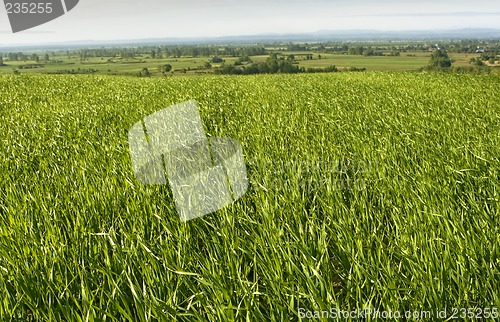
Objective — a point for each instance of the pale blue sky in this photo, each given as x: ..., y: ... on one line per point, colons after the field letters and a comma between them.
x: 126, y: 19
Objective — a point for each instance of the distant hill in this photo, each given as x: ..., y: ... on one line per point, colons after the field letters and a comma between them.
x: 322, y: 35
x: 343, y: 35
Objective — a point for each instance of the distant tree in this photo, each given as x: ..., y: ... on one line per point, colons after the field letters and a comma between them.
x: 164, y: 68
x: 491, y: 61
x: 252, y: 69
x: 153, y: 54
x: 145, y: 72
x: 486, y: 56
x: 46, y: 58
x: 369, y: 51
x: 1, y: 61
x: 328, y: 69
x: 440, y: 58
x: 244, y: 59
x: 217, y: 60
x: 319, y: 56
x: 263, y: 68
x: 273, y: 66
x: 356, y: 50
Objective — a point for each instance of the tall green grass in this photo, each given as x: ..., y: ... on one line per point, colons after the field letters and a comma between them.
x: 81, y: 240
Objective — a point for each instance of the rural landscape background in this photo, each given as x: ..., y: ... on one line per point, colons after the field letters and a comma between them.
x: 373, y: 161
x: 152, y: 59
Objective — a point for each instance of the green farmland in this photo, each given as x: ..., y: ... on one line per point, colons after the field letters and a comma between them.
x: 367, y: 190
x: 190, y: 66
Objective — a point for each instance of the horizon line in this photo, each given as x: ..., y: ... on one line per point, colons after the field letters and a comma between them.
x: 317, y: 33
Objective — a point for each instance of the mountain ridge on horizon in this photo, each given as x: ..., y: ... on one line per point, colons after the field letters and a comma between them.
x: 320, y: 35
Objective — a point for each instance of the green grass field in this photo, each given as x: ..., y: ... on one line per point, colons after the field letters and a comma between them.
x: 367, y: 190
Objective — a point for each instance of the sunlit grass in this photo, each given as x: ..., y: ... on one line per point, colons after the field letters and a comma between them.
x: 80, y: 239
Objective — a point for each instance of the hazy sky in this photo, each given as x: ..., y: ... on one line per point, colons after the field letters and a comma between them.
x: 126, y: 19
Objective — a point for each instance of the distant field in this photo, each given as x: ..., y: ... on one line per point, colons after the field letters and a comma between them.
x: 108, y: 65
x: 406, y: 61
x: 194, y: 66
x: 367, y: 190
x: 370, y: 63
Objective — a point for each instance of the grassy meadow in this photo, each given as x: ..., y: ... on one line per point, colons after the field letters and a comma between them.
x: 367, y: 190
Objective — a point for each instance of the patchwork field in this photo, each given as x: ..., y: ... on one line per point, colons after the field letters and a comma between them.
x: 367, y: 190
x: 196, y: 66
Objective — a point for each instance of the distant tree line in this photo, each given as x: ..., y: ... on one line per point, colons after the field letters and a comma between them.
x: 273, y: 65
x: 159, y: 52
x: 491, y: 47
x: 19, y: 56
x: 440, y: 61
x: 370, y: 51
x: 176, y: 51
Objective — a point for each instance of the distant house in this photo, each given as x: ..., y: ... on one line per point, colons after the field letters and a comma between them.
x: 433, y: 48
x: 479, y: 51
